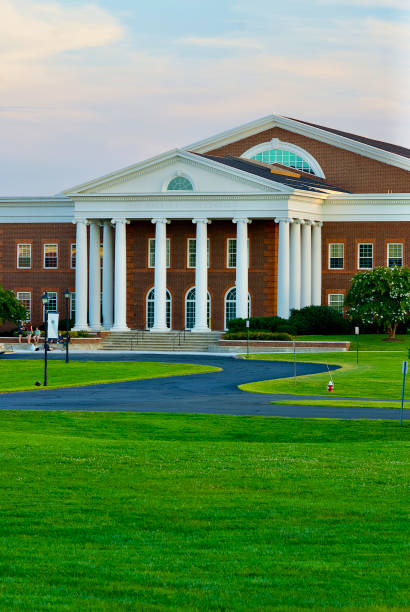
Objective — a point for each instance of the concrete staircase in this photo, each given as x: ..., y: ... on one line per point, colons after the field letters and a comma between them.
x: 144, y: 341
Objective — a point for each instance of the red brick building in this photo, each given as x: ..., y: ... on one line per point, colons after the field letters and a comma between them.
x: 273, y: 215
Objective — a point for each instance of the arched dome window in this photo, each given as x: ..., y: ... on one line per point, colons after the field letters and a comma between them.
x: 190, y: 309
x: 150, y: 308
x: 230, y: 305
x: 180, y: 183
x: 285, y: 158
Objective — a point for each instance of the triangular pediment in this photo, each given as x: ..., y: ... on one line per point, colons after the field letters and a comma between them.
x: 153, y: 176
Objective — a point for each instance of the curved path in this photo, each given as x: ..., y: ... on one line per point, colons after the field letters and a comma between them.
x: 214, y: 393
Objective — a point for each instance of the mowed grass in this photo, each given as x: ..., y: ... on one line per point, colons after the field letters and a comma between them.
x: 340, y: 403
x: 367, y: 342
x: 378, y: 375
x: 129, y: 511
x: 21, y: 375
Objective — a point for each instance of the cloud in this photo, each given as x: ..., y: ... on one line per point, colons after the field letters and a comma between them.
x: 33, y: 31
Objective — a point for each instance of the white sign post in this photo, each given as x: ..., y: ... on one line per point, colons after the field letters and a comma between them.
x: 52, y: 326
x: 247, y: 338
x: 404, y: 369
x: 356, y: 331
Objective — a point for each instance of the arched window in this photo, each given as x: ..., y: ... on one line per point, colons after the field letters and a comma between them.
x: 190, y: 309
x: 285, y: 158
x: 230, y: 305
x: 150, y: 309
x: 180, y: 183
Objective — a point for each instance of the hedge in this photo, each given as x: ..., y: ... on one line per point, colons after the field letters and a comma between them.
x: 257, y: 335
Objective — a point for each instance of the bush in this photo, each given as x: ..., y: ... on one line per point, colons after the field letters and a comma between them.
x: 318, y: 320
x: 267, y: 324
x: 258, y: 335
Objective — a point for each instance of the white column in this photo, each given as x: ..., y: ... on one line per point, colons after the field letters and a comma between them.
x: 120, y: 276
x: 201, y: 277
x: 283, y: 268
x: 160, y: 276
x: 81, y: 276
x: 108, y: 276
x: 295, y: 262
x: 317, y: 263
x: 94, y: 283
x: 306, y: 250
x: 242, y: 267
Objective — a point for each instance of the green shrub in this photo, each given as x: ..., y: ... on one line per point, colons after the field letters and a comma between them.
x: 267, y: 324
x: 258, y: 335
x: 318, y: 320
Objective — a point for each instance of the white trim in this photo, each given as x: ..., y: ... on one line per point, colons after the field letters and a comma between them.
x: 168, y: 252
x: 44, y: 308
x: 153, y: 303
x: 44, y: 256
x: 291, y: 125
x: 276, y: 144
x: 329, y: 256
x: 329, y: 295
x: 19, y: 293
x: 18, y: 257
x: 359, y: 244
x: 208, y: 303
x: 249, y: 305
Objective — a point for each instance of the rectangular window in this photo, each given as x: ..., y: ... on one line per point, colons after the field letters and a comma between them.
x: 50, y: 256
x: 24, y: 256
x: 24, y: 297
x: 231, y: 253
x: 52, y: 302
x: 151, y: 253
x: 336, y: 256
x: 192, y: 252
x: 336, y: 301
x: 365, y: 256
x: 72, y: 256
x: 72, y: 305
x: 395, y: 254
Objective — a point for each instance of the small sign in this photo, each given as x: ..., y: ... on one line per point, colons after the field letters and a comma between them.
x: 356, y: 331
x: 247, y: 322
x: 52, y: 329
x: 405, y: 367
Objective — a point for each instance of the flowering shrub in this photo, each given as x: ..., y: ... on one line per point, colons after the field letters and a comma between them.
x: 380, y: 296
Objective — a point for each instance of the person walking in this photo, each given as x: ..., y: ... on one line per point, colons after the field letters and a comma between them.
x: 29, y: 329
x: 20, y: 330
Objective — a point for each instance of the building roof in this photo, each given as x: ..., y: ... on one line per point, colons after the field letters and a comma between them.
x: 290, y: 177
x: 379, y: 144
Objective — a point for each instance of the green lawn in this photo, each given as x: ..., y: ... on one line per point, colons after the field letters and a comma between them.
x: 131, y: 511
x: 379, y: 375
x: 340, y: 403
x: 367, y: 342
x: 21, y: 375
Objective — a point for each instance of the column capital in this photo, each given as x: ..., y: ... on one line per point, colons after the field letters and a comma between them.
x: 298, y: 221
x: 160, y: 220
x: 308, y: 222
x: 318, y: 223
x: 85, y: 221
x: 283, y: 219
x: 119, y: 220
x: 241, y: 220
x: 201, y: 221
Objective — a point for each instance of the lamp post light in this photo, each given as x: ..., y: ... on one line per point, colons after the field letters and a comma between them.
x: 45, y: 300
x: 67, y: 296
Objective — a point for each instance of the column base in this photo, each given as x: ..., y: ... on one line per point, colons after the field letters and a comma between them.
x: 119, y: 328
x: 98, y: 327
x: 159, y: 329
x: 200, y: 330
x: 107, y: 326
x: 81, y: 327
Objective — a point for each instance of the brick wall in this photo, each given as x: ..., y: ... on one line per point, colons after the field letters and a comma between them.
x: 342, y: 168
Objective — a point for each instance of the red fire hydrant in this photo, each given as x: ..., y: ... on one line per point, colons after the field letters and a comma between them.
x: 330, y: 386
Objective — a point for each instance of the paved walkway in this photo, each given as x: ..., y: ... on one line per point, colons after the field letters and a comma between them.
x: 214, y: 393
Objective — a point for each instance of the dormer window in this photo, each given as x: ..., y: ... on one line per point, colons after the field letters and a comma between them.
x: 286, y: 154
x: 180, y: 183
x: 285, y: 158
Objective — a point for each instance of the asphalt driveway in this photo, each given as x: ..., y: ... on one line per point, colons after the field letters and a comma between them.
x: 214, y: 393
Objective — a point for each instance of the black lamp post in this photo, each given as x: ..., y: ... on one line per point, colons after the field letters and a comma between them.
x: 44, y: 300
x: 67, y: 296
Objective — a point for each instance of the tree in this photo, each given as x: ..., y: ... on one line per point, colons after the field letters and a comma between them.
x: 10, y: 308
x: 380, y: 296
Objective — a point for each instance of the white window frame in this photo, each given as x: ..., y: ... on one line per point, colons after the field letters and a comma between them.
x: 225, y: 301
x: 149, y: 300
x: 151, y: 253
x: 236, y: 253
x: 73, y: 244
x: 359, y: 267
x: 330, y: 257
x: 208, y: 308
x: 22, y: 300
x: 50, y: 293
x: 329, y: 299
x: 44, y: 256
x: 21, y: 244
x: 72, y: 299
x: 193, y: 241
x: 389, y: 244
